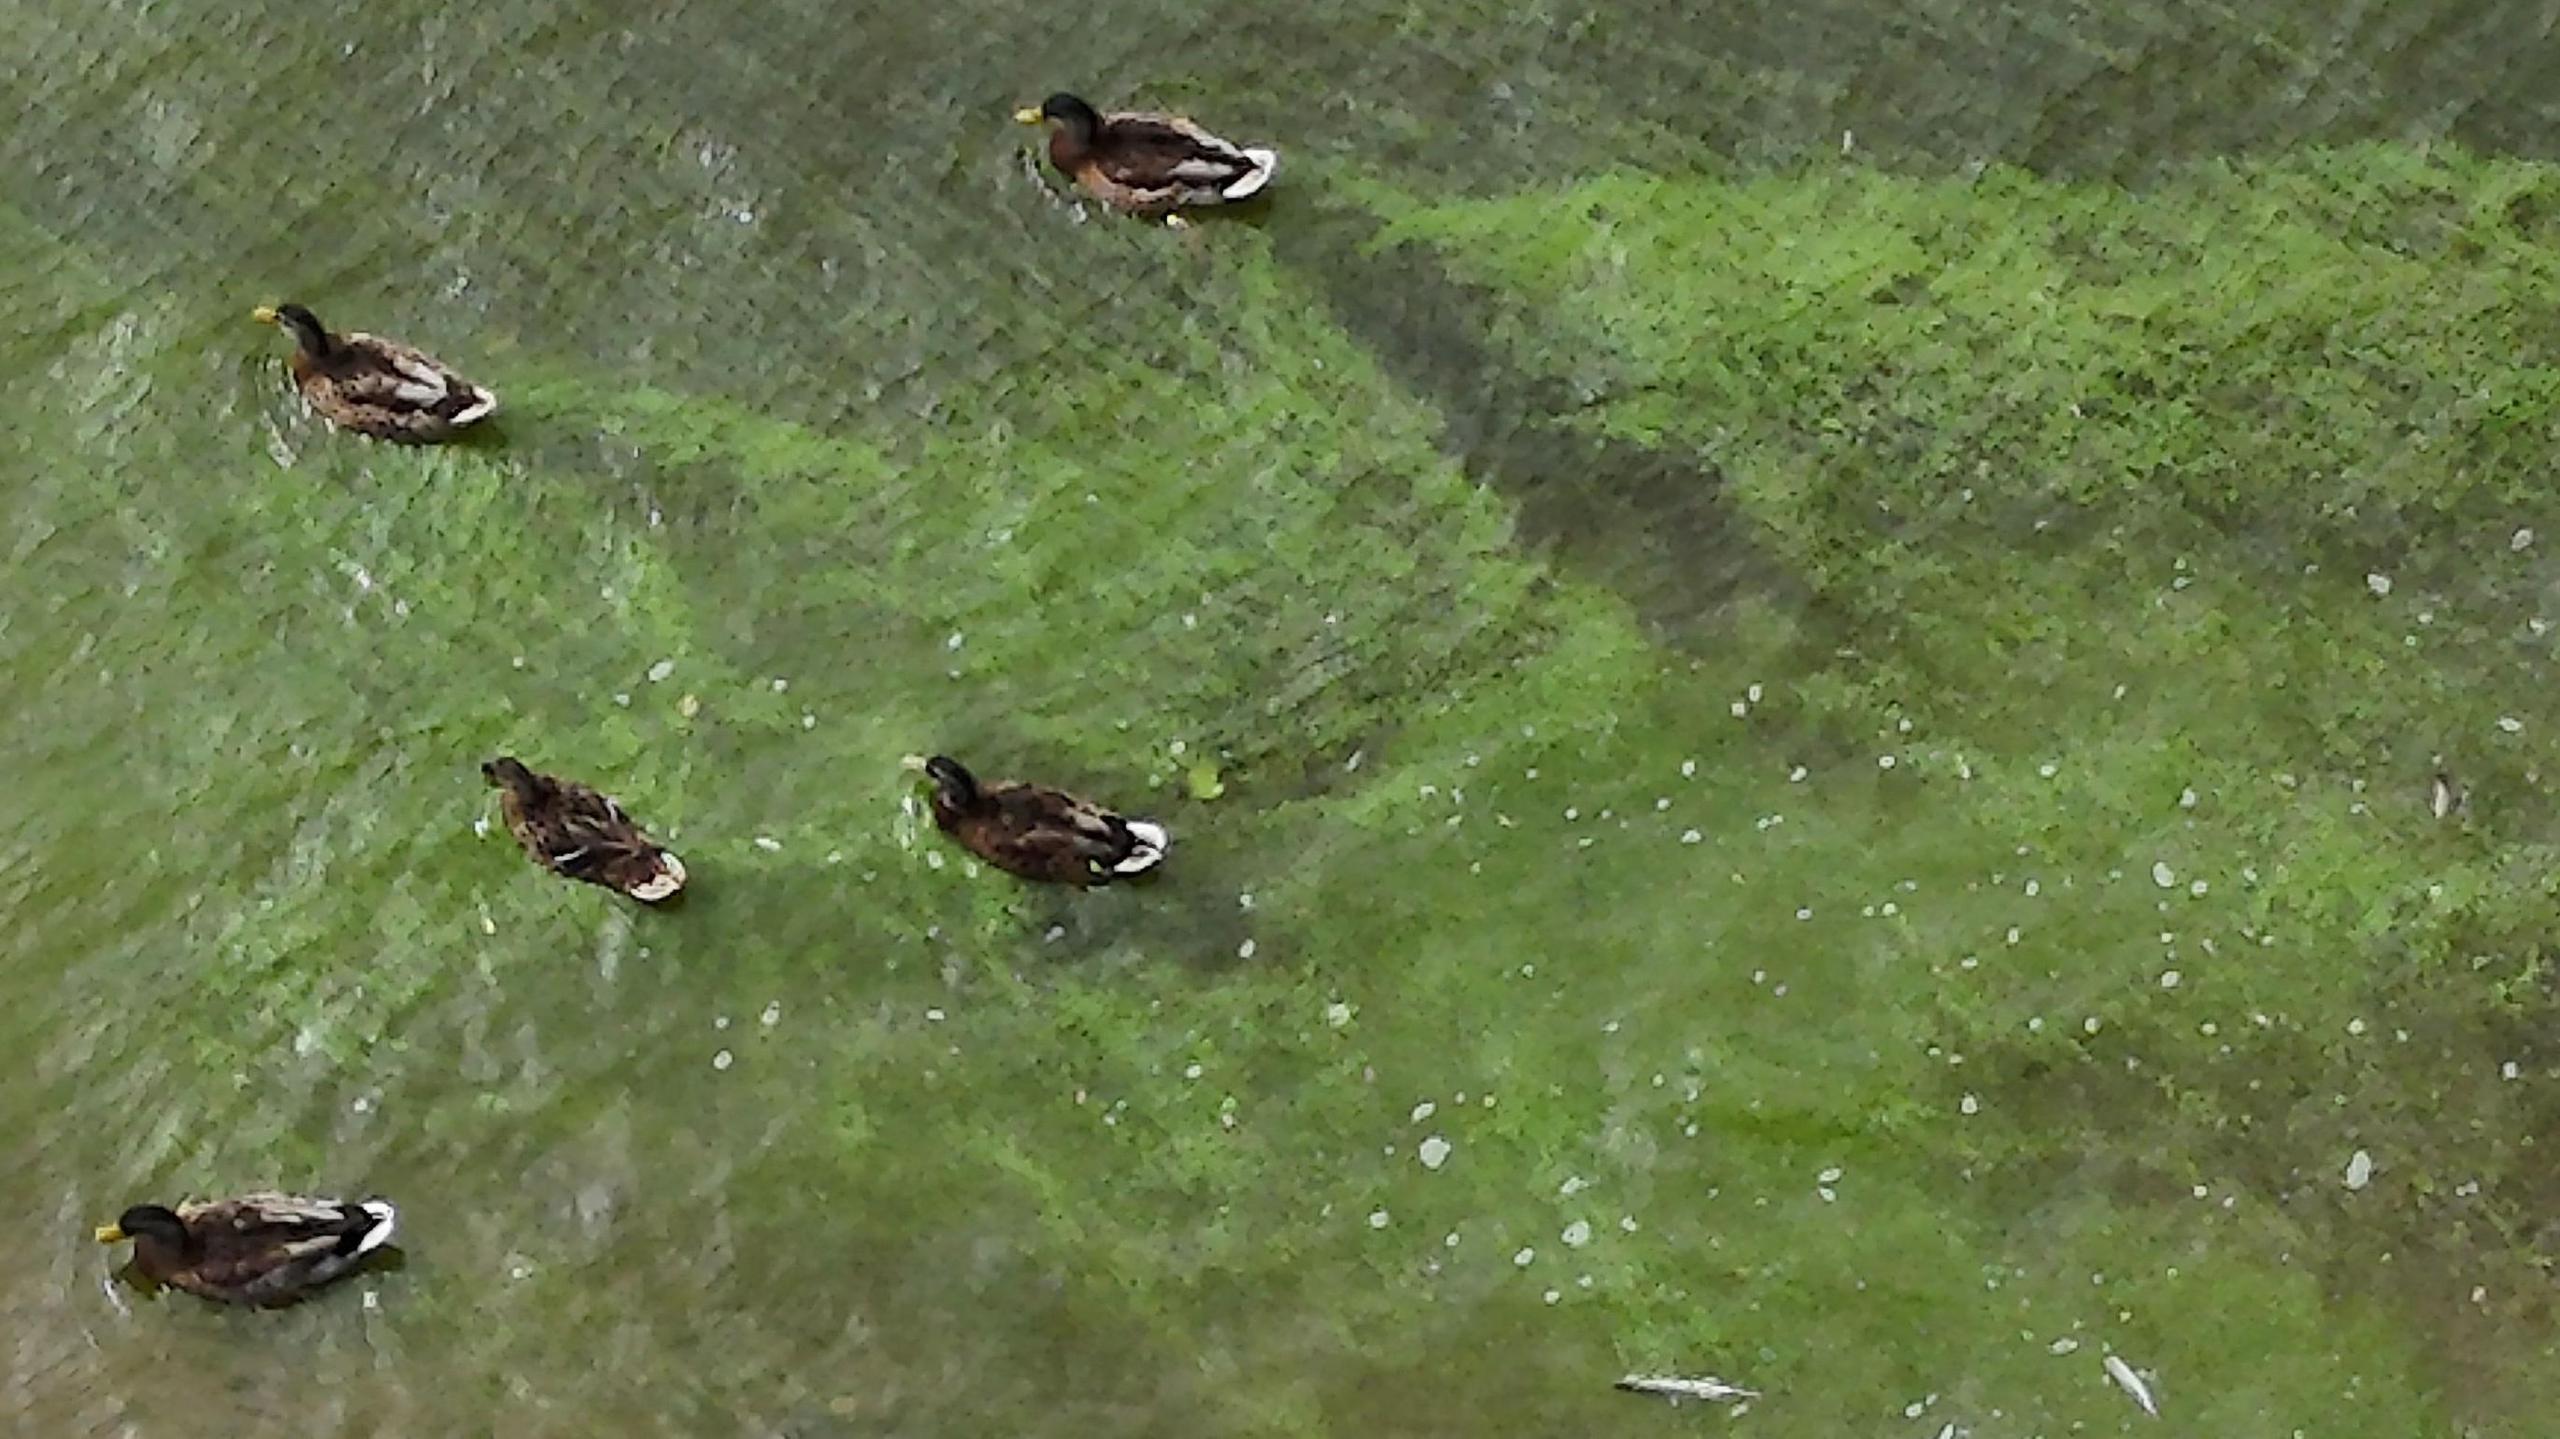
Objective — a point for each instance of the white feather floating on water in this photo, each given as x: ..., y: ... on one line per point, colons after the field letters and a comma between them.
x: 1669, y: 1387
x: 2131, y: 1383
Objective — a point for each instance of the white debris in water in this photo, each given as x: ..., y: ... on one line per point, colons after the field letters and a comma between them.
x: 1667, y: 1387
x: 2162, y: 875
x: 2169, y: 978
x: 2187, y: 798
x: 1576, y: 1234
x: 2064, y: 1345
x: 779, y: 685
x: 1573, y: 1185
x: 1191, y: 1071
x: 1337, y: 1014
x: 2521, y: 540
x: 661, y: 670
x: 1688, y: 769
x: 1796, y: 775
x: 723, y: 1060
x: 2510, y: 724
x: 768, y: 843
x: 1829, y: 1176
x: 772, y: 1015
x: 1424, y: 1111
x: 1377, y: 1219
x: 2131, y: 1383
x: 2378, y: 583
x: 2048, y: 769
x: 1433, y: 1152
x: 1884, y: 761
x: 1690, y: 836
x: 1969, y: 1105
x: 1740, y: 709
x: 1752, y: 694
x: 2359, y: 1170
x: 1522, y: 1259
x: 2510, y: 1070
x: 1245, y: 950
x: 935, y: 1015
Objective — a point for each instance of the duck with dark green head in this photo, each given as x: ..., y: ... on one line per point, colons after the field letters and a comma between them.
x: 261, y: 1249
x: 375, y: 386
x: 1143, y: 163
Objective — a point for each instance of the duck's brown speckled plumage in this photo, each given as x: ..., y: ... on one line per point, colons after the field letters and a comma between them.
x: 573, y: 831
x: 261, y: 1249
x: 1143, y: 163
x: 1037, y: 832
x: 378, y: 387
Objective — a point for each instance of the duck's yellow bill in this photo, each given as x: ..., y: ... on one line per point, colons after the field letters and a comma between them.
x: 264, y: 314
x: 1027, y: 115
x: 110, y: 1234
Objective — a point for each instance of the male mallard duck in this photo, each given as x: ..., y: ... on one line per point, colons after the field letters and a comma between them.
x: 571, y: 830
x: 375, y: 386
x: 1147, y: 164
x: 1038, y: 832
x: 267, y: 1249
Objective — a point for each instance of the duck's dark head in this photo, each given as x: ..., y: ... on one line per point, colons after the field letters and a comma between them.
x: 294, y: 320
x: 1079, y: 120
x: 146, y: 1222
x: 507, y: 772
x: 953, y: 785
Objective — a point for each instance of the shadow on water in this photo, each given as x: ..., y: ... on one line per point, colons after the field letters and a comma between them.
x: 1655, y: 526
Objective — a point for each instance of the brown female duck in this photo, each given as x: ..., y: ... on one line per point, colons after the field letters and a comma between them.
x: 1037, y: 832
x: 573, y: 831
x: 375, y: 386
x: 263, y: 1249
x: 1147, y: 164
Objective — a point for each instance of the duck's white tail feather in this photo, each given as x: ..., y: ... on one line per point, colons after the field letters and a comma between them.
x: 385, y: 1219
x: 1152, y: 842
x: 669, y: 878
x: 483, y: 404
x: 1266, y: 163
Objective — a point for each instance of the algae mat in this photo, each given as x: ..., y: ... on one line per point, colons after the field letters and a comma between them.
x: 1802, y: 765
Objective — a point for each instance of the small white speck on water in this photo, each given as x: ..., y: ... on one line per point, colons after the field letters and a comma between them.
x: 723, y: 1060
x: 808, y: 720
x: 1337, y: 1014
x: 519, y: 662
x: 1690, y: 836
x: 2510, y: 1070
x: 372, y: 1299
x: 768, y: 843
x: 2162, y: 875
x: 1378, y: 1219
x: 1573, y: 1185
x: 935, y: 1015
x: 1576, y: 1234
x: 1433, y: 1152
x: 1424, y: 1111
x: 2186, y: 799
x: 1828, y: 1176
x: 2064, y: 1345
x: 1662, y: 803
x: 2359, y: 1170
x: 1752, y: 694
x: 2380, y: 584
x: 623, y: 699
x: 1804, y: 914
x: 780, y: 684
x: 659, y: 671
x: 2355, y: 1026
x: 772, y: 1015
x: 689, y: 706
x: 1969, y: 1105
x: 2048, y: 769
x: 1554, y: 1296
x: 1688, y: 769
x: 1191, y: 1071
x: 1523, y: 1259
x: 2013, y: 934
x: 2510, y: 724
x: 1450, y: 1240
x: 520, y: 1271
x: 1796, y: 775
x: 1245, y: 950
x: 362, y: 1105
x: 1740, y: 709
x: 2198, y: 888
x: 2033, y: 888
x: 2521, y: 540
x: 2035, y: 1024
x: 2091, y: 1025
x: 1884, y: 761
x: 480, y: 827
x: 720, y: 1021
x: 2169, y: 979
x: 933, y: 859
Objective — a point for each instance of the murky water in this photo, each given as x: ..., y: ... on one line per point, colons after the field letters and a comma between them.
x: 1650, y: 894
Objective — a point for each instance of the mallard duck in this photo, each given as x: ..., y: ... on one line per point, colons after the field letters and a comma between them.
x: 267, y: 1249
x: 1148, y: 164
x: 375, y: 386
x: 571, y: 830
x: 1038, y: 832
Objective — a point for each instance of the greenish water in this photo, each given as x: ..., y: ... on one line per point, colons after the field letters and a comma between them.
x: 1547, y: 518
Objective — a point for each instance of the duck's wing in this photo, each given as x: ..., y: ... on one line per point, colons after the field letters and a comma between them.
x: 593, y: 840
x: 1147, y: 151
x: 264, y: 1246
x: 402, y: 387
